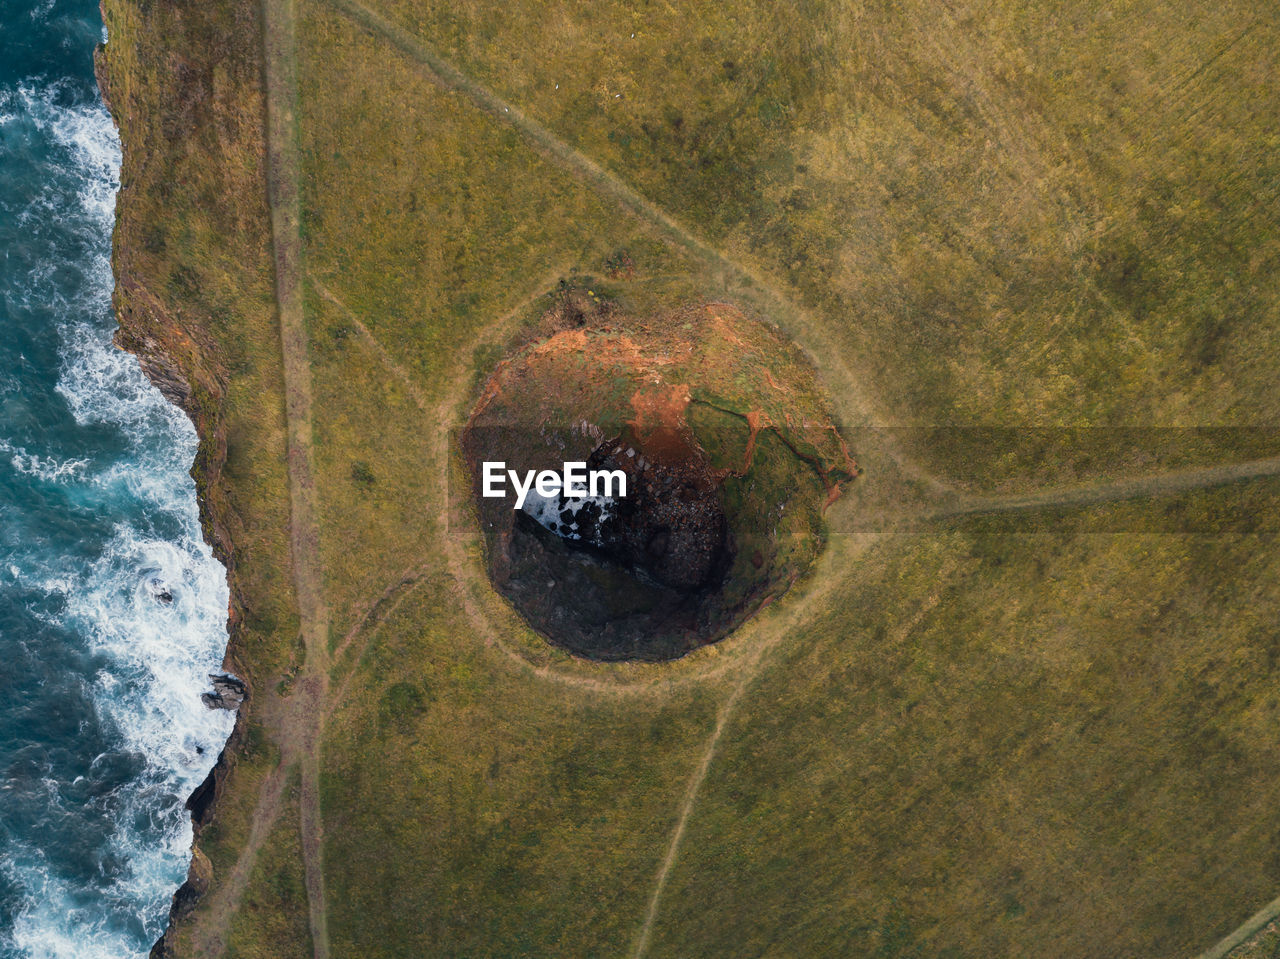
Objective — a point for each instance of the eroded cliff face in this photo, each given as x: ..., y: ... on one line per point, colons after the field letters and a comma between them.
x: 193, y: 300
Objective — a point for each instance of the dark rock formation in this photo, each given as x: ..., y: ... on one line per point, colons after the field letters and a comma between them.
x: 228, y: 692
x: 200, y: 802
x: 671, y: 524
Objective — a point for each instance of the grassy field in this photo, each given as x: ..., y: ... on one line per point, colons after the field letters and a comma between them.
x: 1022, y: 744
x: 1045, y: 731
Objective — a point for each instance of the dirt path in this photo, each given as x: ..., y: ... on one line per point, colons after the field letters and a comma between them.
x: 300, y: 739
x: 543, y: 140
x: 856, y: 406
x: 686, y: 809
x: 395, y: 369
x: 300, y: 725
x: 1251, y: 927
x: 1090, y: 494
x: 1138, y: 487
x: 1161, y: 484
x: 220, y: 905
x: 751, y: 670
x: 352, y: 645
x: 393, y: 595
x: 295, y: 723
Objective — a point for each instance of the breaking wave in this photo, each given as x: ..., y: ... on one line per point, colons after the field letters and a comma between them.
x: 112, y: 608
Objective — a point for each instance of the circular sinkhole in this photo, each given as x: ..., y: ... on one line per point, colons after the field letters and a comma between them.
x: 644, y: 487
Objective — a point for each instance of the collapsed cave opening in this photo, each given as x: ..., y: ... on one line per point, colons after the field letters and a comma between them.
x: 670, y: 524
x: 634, y: 576
x: 728, y: 457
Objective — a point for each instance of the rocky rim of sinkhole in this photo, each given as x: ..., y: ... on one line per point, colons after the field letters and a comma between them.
x: 730, y: 456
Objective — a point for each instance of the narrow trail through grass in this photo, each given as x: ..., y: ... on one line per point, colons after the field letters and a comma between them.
x: 686, y: 809
x: 302, y: 732
x: 857, y: 407
x: 220, y: 905
x: 1251, y: 927
x: 399, y: 372
x: 747, y: 671
x: 1138, y: 487
x: 352, y: 645
x: 751, y: 670
x: 298, y: 720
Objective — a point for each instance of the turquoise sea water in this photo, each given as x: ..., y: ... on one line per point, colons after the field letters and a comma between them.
x: 102, y: 735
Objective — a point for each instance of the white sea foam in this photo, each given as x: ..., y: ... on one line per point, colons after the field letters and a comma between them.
x: 87, y: 132
x: 156, y: 653
x: 159, y: 652
x: 46, y: 468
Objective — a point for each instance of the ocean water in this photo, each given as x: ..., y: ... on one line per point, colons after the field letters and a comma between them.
x: 102, y: 734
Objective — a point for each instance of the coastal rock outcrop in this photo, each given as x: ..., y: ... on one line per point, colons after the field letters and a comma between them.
x: 228, y: 692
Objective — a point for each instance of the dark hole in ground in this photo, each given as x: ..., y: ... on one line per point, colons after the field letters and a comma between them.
x: 729, y: 458
x: 634, y: 577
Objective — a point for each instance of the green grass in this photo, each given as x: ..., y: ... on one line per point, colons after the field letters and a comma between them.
x: 475, y: 812
x: 1030, y: 213
x: 192, y: 251
x: 1047, y: 743
x: 268, y: 924
x: 1048, y: 733
x: 1265, y: 946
